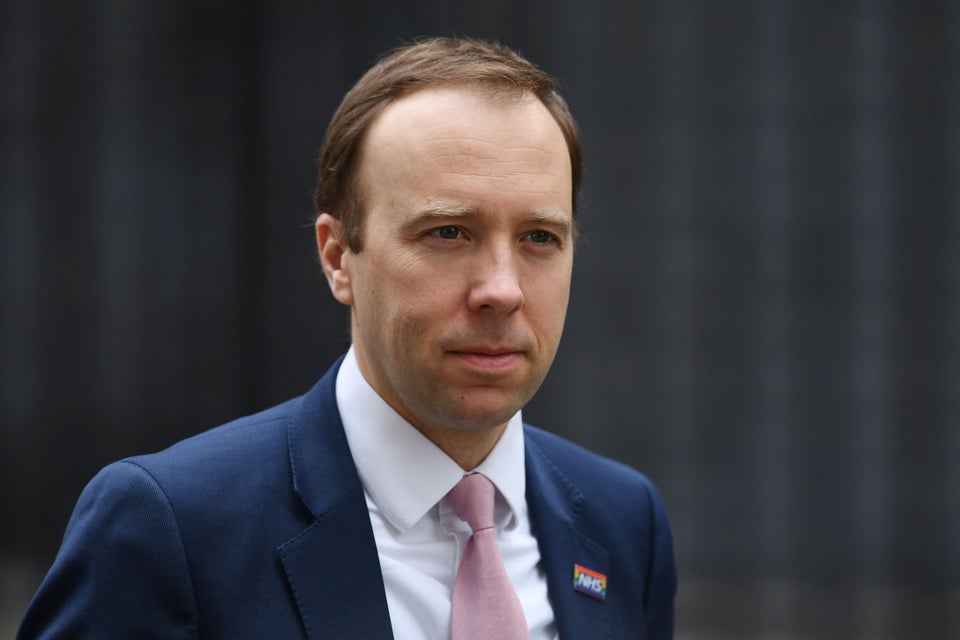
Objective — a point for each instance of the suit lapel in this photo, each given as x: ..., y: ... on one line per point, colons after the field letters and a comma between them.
x: 554, y: 503
x: 332, y: 566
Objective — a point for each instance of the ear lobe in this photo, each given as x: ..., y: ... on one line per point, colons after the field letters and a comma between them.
x: 334, y: 257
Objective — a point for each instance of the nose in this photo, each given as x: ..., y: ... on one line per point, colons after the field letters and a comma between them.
x: 495, y: 284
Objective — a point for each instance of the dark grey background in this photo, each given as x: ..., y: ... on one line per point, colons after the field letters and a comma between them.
x: 765, y: 313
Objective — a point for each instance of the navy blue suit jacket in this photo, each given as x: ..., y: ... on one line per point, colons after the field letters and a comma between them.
x: 259, y: 529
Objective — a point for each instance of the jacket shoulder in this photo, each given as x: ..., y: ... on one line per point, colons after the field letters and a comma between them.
x: 581, y: 466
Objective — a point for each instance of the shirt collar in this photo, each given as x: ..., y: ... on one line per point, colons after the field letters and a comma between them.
x: 402, y: 471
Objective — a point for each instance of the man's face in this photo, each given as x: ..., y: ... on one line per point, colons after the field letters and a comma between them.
x: 460, y: 291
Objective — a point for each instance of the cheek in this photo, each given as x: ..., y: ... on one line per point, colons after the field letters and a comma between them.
x: 412, y: 307
x: 418, y: 317
x: 547, y: 312
x: 550, y: 293
x: 551, y: 325
x: 428, y: 293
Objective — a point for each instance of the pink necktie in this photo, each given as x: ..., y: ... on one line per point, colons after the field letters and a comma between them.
x: 485, y: 604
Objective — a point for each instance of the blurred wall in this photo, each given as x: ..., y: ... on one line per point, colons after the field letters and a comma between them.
x: 766, y: 308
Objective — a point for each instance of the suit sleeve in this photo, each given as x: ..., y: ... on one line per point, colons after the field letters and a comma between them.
x: 661, y: 574
x: 121, y: 571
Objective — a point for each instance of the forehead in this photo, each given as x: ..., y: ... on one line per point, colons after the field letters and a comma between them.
x: 469, y: 134
x: 465, y: 107
x: 441, y: 99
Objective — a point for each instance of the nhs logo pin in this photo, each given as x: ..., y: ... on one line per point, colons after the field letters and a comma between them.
x: 590, y: 582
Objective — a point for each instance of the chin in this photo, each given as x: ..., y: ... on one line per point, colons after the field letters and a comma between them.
x: 481, y: 413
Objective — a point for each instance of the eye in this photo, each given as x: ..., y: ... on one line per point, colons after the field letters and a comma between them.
x: 448, y: 232
x: 540, y: 237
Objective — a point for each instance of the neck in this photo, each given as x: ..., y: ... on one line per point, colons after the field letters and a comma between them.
x: 467, y: 447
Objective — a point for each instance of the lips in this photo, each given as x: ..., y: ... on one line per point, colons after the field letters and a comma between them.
x: 488, y: 351
x: 489, y: 358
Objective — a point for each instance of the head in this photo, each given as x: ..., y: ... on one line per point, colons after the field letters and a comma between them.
x: 433, y: 62
x: 458, y: 274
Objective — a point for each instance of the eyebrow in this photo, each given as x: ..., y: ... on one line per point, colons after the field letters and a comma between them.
x: 442, y: 211
x: 561, y: 223
x: 435, y: 213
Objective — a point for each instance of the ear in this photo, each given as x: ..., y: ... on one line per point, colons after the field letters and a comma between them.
x: 334, y: 257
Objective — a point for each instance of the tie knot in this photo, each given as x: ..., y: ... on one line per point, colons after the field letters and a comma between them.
x: 472, y: 501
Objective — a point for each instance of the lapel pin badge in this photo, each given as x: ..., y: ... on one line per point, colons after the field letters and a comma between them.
x: 592, y: 583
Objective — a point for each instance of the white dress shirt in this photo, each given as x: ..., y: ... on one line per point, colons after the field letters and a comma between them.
x: 419, y: 538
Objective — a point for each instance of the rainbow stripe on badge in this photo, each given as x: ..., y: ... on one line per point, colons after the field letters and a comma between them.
x: 592, y: 583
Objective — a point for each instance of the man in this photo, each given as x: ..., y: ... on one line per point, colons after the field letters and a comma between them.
x: 446, y: 223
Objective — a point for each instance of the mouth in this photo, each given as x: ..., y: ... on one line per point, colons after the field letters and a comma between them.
x: 489, y: 358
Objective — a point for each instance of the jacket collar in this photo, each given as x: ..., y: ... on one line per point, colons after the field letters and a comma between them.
x: 339, y: 594
x: 554, y: 504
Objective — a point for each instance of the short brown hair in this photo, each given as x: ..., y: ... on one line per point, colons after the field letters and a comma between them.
x: 426, y: 63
